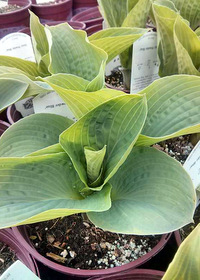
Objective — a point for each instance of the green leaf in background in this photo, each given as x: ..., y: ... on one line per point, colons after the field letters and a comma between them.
x: 27, y: 67
x: 11, y: 90
x: 190, y: 10
x: 178, y: 45
x: 185, y: 264
x: 47, y: 187
x: 32, y: 134
x: 39, y: 39
x: 150, y: 191
x: 187, y: 48
x: 113, y: 11
x: 116, y: 124
x: 138, y: 16
x: 71, y: 53
x: 115, y: 40
x: 81, y: 102
x: 165, y: 20
x: 197, y: 31
x: 173, y: 108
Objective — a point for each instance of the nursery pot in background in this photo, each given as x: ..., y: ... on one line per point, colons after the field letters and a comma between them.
x: 3, y: 126
x: 81, y: 5
x: 14, y: 21
x: 13, y: 115
x: 7, y: 237
x: 22, y: 237
x: 93, y: 29
x: 136, y: 274
x: 60, y: 10
x: 90, y: 17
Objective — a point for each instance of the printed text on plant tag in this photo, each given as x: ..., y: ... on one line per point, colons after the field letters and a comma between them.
x: 145, y: 64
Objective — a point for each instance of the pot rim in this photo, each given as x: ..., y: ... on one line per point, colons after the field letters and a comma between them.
x: 27, y: 5
x: 7, y: 237
x: 140, y: 271
x: 21, y: 235
x: 54, y: 5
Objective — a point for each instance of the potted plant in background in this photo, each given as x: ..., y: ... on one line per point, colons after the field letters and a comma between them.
x: 24, y: 76
x: 52, y: 10
x: 114, y: 167
x: 177, y: 54
x: 14, y: 16
x: 12, y: 250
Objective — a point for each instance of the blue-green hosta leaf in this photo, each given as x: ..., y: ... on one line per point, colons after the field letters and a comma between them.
x: 114, y: 11
x: 40, y: 188
x: 71, y: 53
x: 68, y: 81
x: 190, y: 10
x: 34, y: 88
x: 26, y: 66
x: 31, y: 134
x: 94, y: 162
x: 53, y: 149
x: 81, y: 102
x: 173, y: 108
x: 138, y: 16
x: 185, y: 264
x: 11, y: 90
x: 150, y: 193
x: 116, y: 124
x: 115, y: 40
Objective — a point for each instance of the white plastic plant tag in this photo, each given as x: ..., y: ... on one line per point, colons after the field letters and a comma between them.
x: 112, y: 65
x: 17, y: 45
x: 18, y: 271
x: 3, y: 3
x: 52, y: 103
x: 192, y: 165
x: 145, y: 63
x: 25, y: 106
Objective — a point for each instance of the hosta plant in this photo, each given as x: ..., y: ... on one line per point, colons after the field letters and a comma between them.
x: 62, y: 52
x: 102, y: 165
x: 185, y: 264
x: 178, y: 44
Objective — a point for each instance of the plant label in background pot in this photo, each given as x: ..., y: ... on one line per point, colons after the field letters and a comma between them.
x: 52, y: 103
x: 145, y: 65
x: 3, y: 3
x: 18, y: 271
x: 19, y: 45
x: 115, y: 63
x: 192, y: 166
